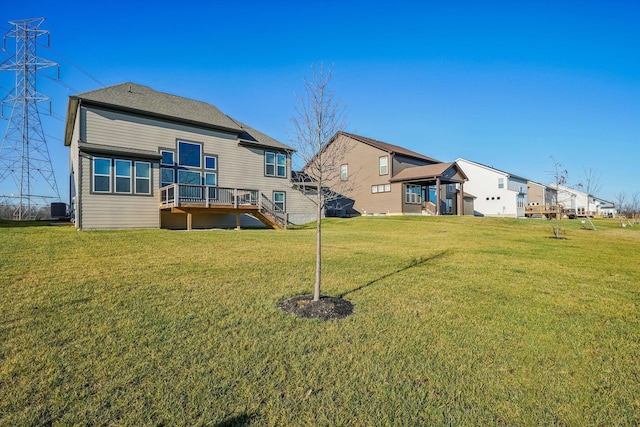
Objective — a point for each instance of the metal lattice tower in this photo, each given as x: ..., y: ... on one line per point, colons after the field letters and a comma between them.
x: 24, y: 154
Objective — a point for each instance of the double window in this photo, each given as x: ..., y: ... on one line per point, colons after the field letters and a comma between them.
x: 275, y: 164
x: 413, y: 194
x: 121, y: 176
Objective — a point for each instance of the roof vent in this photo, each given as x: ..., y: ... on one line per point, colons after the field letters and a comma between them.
x: 130, y: 91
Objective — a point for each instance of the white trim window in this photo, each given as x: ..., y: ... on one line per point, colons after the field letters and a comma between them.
x: 381, y: 188
x: 123, y: 176
x: 279, y: 199
x: 344, y: 172
x: 167, y: 158
x: 101, y: 175
x: 143, y: 177
x: 211, y: 162
x: 275, y: 164
x: 383, y: 163
x: 413, y: 194
x: 500, y: 182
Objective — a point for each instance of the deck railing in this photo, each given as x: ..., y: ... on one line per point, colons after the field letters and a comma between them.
x: 267, y: 207
x: 176, y: 195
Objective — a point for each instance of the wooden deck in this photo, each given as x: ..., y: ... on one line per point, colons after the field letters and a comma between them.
x: 193, y: 199
x: 543, y: 211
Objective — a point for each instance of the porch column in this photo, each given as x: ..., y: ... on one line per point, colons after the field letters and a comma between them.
x: 438, y: 195
x: 461, y: 200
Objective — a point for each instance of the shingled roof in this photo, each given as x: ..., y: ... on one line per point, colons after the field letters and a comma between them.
x: 423, y: 172
x: 389, y: 148
x: 143, y: 99
x: 139, y: 99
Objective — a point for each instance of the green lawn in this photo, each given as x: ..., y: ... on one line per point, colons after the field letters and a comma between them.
x: 457, y: 321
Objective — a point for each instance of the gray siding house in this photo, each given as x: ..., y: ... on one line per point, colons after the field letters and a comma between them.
x: 140, y: 158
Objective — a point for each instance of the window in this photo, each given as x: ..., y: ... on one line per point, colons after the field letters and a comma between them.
x: 413, y: 194
x: 188, y: 177
x: 192, y: 188
x: 344, y: 172
x: 143, y: 178
x: 281, y: 170
x: 123, y: 176
x: 167, y: 177
x: 167, y: 158
x: 500, y: 182
x: 521, y: 200
x: 211, y: 162
x: 101, y: 175
x: 279, y: 198
x: 275, y: 164
x: 381, y: 188
x: 211, y: 178
x: 120, y: 176
x: 269, y: 163
x: 189, y: 154
x: 384, y: 165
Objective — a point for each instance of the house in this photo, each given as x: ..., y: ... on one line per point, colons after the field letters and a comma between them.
x: 497, y: 193
x: 584, y: 204
x: 386, y: 179
x: 542, y: 200
x: 140, y: 158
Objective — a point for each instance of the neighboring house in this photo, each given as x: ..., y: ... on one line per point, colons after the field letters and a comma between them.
x: 146, y: 159
x: 584, y: 204
x: 542, y: 200
x: 497, y: 193
x: 386, y: 179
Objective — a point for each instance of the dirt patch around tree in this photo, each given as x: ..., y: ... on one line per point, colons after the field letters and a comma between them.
x: 328, y: 308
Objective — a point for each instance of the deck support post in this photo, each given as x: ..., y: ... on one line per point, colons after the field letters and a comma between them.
x: 237, y: 221
x: 461, y: 200
x: 438, y: 195
x: 189, y: 221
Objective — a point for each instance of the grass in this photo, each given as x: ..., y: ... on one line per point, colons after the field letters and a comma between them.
x: 458, y: 321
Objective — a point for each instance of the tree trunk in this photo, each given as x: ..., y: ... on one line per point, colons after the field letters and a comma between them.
x: 316, y: 289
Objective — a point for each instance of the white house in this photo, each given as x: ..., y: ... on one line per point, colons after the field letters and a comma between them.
x: 584, y: 203
x: 497, y: 193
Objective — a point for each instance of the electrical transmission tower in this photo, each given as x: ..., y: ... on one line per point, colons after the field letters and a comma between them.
x: 24, y: 155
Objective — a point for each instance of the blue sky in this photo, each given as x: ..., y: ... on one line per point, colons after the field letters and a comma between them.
x: 504, y: 83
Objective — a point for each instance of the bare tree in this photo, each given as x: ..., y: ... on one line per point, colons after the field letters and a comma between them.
x: 318, y: 118
x: 634, y: 206
x: 591, y: 181
x: 559, y: 178
x: 621, y: 199
x: 590, y: 184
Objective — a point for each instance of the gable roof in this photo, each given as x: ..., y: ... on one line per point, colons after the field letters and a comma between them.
x: 507, y: 174
x: 426, y: 172
x: 139, y: 99
x: 389, y: 148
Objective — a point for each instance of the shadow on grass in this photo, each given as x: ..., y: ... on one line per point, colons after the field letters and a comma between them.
x: 416, y: 262
x: 237, y: 421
